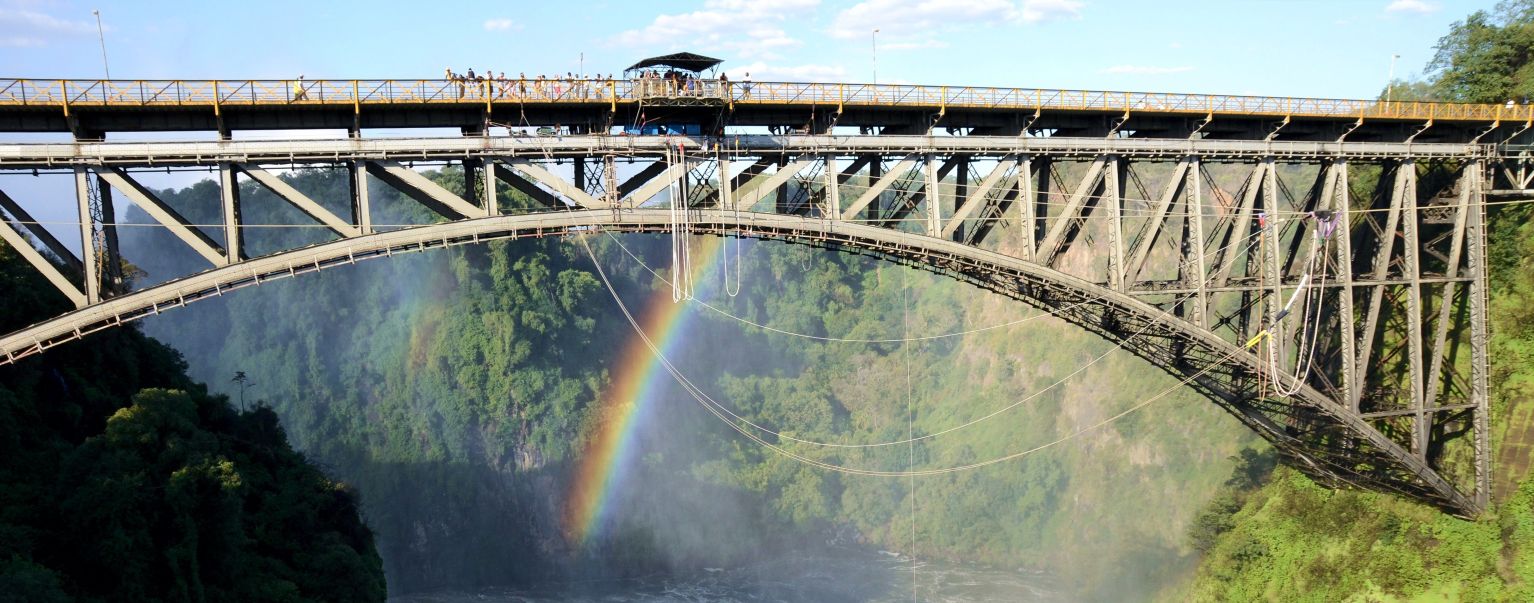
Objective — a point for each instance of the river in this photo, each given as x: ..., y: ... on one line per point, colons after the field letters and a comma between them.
x: 854, y: 577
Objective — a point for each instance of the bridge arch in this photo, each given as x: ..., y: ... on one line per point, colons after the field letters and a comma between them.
x: 1315, y: 433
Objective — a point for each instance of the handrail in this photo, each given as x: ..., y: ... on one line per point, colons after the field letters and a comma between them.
x: 77, y: 94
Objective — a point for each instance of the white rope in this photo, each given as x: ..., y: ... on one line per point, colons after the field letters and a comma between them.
x: 741, y: 319
x: 782, y: 436
x: 715, y: 409
x: 1309, y: 319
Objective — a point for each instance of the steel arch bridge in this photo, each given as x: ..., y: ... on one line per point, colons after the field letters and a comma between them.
x: 1183, y: 251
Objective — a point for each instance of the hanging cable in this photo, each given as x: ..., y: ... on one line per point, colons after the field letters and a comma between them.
x: 993, y: 414
x: 724, y: 182
x: 715, y: 409
x: 1310, y: 314
x: 1053, y: 312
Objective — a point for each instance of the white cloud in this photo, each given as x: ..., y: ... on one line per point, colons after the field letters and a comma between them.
x: 21, y: 41
x: 1146, y: 70
x: 913, y: 45
x: 501, y: 24
x: 25, y: 28
x: 765, y: 72
x: 897, y: 19
x: 917, y: 23
x: 1038, y: 11
x: 745, y: 27
x: 1411, y: 6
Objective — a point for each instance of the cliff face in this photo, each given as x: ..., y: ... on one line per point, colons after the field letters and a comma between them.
x: 121, y: 479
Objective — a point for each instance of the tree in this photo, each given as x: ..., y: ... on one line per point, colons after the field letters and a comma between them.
x: 1487, y: 57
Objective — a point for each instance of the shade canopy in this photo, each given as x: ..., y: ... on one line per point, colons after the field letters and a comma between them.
x: 681, y: 60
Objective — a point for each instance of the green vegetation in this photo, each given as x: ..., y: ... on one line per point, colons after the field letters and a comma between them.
x: 1483, y: 59
x: 123, y: 480
x: 455, y: 389
x: 1292, y: 540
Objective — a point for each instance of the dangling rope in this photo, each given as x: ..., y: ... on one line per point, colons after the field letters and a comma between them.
x: 718, y: 410
x: 724, y: 183
x: 686, y: 213
x: 1310, y: 315
x: 723, y: 410
x: 1310, y: 312
x: 681, y: 254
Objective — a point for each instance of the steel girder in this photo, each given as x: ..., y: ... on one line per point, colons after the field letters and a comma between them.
x: 1189, y: 256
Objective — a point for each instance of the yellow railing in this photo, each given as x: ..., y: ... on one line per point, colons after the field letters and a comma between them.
x: 152, y: 93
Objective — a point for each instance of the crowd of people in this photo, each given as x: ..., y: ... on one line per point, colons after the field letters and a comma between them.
x: 497, y: 85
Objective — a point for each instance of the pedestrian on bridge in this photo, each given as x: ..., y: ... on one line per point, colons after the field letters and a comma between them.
x: 298, y: 89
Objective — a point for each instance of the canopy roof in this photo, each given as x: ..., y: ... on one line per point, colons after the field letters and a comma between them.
x: 681, y: 60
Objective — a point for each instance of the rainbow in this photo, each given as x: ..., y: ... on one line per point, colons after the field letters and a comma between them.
x: 638, y: 381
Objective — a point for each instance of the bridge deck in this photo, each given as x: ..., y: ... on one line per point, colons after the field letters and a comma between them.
x: 98, y: 106
x: 45, y: 155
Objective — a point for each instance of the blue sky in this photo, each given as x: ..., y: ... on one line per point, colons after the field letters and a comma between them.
x: 1339, y: 48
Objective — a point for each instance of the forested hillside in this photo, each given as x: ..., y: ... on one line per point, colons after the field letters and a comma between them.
x: 1284, y: 538
x: 459, y: 390
x: 121, y: 479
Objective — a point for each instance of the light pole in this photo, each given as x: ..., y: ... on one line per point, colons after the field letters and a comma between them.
x: 101, y: 35
x: 874, y: 42
x: 1390, y: 81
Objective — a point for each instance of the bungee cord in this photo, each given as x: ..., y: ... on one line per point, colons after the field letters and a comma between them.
x: 1310, y: 312
x: 722, y: 312
x: 783, y: 436
x: 713, y: 408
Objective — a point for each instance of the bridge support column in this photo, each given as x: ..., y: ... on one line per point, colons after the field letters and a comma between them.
x: 112, y: 272
x: 960, y: 195
x: 1113, y: 179
x: 361, y: 209
x: 1193, y: 204
x: 491, y: 201
x: 1033, y: 206
x: 1476, y: 243
x: 784, y: 203
x: 1421, y: 426
x: 726, y: 185
x: 833, y: 190
x: 934, y: 198
x: 88, y: 256
x: 230, y: 188
x: 1342, y: 203
x: 1272, y: 272
x: 875, y: 174
x: 471, y: 179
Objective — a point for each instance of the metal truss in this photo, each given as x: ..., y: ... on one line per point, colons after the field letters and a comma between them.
x: 1183, y: 252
